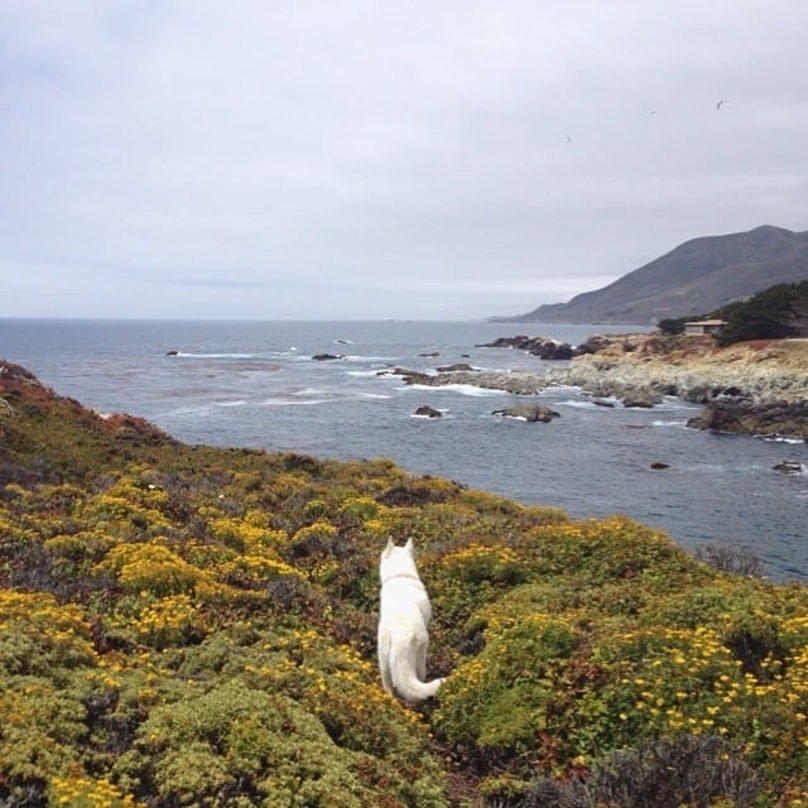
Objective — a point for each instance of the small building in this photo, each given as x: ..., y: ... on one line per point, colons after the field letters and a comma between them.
x: 701, y: 327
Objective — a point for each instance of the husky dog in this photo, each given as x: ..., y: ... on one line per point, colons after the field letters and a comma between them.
x: 403, y: 620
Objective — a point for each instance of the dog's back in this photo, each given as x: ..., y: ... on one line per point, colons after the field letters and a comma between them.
x: 403, y: 626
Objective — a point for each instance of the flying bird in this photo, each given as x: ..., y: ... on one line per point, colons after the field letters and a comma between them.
x: 569, y: 138
x: 720, y: 104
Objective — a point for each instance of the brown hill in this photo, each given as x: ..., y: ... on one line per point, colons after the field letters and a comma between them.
x: 696, y: 277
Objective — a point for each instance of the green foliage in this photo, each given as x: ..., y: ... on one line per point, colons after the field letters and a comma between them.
x: 233, y: 740
x: 673, y: 325
x: 195, y: 626
x: 778, y: 312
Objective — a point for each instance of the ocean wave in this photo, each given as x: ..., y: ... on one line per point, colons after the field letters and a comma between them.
x: 770, y: 439
x: 673, y: 403
x: 580, y: 404
x: 553, y: 389
x: 358, y: 358
x: 315, y: 392
x: 184, y: 355
x: 461, y: 389
x: 293, y: 401
x: 237, y: 403
x: 678, y: 422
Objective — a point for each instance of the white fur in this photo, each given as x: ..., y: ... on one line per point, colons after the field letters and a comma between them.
x: 403, y: 622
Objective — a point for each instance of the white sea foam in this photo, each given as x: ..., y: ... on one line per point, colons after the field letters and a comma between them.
x: 579, y: 404
x: 554, y: 389
x: 672, y: 403
x: 462, y: 389
x: 290, y: 401
x: 184, y: 355
x: 236, y: 403
x: 357, y: 358
x: 679, y: 423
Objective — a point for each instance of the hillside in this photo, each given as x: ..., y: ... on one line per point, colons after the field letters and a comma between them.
x: 697, y: 276
x: 185, y: 625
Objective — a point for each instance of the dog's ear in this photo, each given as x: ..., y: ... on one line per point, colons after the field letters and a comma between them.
x: 389, y: 548
x: 410, y: 546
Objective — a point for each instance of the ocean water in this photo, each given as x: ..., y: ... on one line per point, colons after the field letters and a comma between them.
x: 255, y: 384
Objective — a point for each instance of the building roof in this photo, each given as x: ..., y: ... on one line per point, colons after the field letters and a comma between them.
x: 707, y: 322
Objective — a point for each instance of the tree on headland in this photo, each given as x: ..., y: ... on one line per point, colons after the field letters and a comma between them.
x: 776, y: 313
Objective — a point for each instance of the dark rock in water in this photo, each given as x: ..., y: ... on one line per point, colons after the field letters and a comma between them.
x: 429, y: 354
x: 639, y: 397
x: 425, y: 411
x: 172, y: 353
x: 789, y: 467
x: 326, y: 357
x: 657, y: 466
x: 543, y: 347
x: 411, y: 376
x: 600, y: 402
x: 455, y: 368
x: 465, y: 356
x: 781, y: 419
x: 705, y: 393
x: 534, y: 413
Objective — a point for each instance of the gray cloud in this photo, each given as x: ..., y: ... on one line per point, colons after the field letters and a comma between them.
x: 450, y: 159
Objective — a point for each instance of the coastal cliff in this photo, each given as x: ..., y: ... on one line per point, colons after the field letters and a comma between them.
x: 190, y: 625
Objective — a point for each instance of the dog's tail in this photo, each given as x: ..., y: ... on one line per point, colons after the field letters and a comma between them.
x: 412, y: 689
x: 405, y: 679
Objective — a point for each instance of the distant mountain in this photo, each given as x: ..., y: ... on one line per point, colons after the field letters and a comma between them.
x: 699, y: 275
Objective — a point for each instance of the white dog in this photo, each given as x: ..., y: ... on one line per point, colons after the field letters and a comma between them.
x: 403, y: 621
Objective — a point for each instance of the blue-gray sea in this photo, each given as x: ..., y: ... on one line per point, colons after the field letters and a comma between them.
x: 254, y: 384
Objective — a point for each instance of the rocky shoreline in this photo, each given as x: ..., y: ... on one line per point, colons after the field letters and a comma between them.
x: 753, y: 388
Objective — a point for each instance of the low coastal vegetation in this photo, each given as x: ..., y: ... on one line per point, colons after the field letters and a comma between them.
x: 184, y: 625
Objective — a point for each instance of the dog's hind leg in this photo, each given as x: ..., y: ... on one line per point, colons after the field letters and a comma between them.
x: 420, y: 660
x: 384, y: 665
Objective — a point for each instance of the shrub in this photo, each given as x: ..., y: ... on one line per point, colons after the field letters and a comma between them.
x: 698, y: 772
x: 150, y: 567
x: 730, y: 558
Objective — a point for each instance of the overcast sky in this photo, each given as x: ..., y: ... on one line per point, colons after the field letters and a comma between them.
x: 428, y: 160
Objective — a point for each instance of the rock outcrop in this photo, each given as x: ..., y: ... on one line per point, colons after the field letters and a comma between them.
x: 458, y: 366
x: 517, y: 382
x: 774, y: 419
x: 790, y: 467
x: 425, y: 411
x: 533, y: 413
x: 756, y: 388
x: 694, y: 369
x: 543, y: 347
